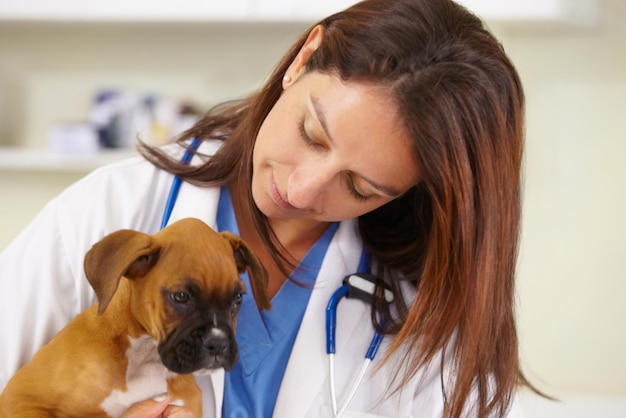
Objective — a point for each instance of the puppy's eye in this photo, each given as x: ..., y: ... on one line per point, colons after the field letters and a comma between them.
x: 180, y: 297
x: 238, y: 298
x: 236, y: 303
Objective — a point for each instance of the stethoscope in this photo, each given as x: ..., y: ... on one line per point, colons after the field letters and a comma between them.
x: 359, y: 286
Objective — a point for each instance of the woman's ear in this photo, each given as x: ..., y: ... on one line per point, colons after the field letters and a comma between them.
x: 298, y: 65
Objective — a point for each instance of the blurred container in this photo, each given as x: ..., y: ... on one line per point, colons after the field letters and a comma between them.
x: 74, y: 139
x: 122, y: 117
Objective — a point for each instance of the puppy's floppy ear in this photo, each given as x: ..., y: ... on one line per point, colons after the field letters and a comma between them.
x: 245, y: 258
x: 123, y: 253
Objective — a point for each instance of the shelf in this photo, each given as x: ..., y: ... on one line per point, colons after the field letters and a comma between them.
x: 36, y: 160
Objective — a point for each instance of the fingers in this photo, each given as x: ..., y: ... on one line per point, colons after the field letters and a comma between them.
x: 159, y: 408
x: 147, y: 409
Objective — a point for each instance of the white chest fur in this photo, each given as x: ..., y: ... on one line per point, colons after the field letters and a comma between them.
x: 146, y: 377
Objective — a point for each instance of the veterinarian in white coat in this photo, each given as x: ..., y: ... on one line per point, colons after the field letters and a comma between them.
x: 404, y: 113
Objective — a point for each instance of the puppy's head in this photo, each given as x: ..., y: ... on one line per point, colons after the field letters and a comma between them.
x: 184, y: 288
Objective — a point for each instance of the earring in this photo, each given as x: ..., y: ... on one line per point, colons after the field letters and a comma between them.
x: 287, y: 79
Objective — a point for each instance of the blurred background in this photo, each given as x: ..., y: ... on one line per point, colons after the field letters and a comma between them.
x: 80, y: 82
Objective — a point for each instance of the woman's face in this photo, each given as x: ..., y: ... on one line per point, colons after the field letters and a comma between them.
x: 330, y: 150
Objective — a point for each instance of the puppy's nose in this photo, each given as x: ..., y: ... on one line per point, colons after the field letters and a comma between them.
x: 216, y: 341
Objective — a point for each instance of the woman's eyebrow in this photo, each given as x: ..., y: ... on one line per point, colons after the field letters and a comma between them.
x: 321, y: 117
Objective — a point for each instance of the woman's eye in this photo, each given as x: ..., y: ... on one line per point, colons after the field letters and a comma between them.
x: 306, y: 137
x: 353, y: 191
x: 180, y: 297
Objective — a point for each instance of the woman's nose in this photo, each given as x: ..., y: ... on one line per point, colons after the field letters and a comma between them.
x: 306, y: 187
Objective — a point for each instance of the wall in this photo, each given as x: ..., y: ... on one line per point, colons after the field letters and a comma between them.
x: 571, y: 278
x: 571, y: 287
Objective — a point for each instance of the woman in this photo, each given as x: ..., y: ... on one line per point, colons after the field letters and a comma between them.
x: 388, y: 139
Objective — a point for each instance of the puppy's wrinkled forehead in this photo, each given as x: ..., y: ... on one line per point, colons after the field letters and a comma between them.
x: 193, y: 251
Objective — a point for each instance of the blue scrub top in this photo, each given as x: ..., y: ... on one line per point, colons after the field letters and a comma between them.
x: 266, y: 338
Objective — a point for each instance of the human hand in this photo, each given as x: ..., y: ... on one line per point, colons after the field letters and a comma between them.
x: 157, y: 409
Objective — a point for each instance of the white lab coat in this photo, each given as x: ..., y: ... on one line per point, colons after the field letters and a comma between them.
x: 43, y: 287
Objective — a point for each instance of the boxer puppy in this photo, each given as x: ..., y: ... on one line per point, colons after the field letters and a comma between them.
x: 167, y: 308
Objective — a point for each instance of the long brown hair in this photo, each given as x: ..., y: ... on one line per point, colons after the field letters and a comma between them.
x: 454, y: 236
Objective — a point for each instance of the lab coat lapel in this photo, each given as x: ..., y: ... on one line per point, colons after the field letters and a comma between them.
x: 307, y: 369
x: 198, y: 202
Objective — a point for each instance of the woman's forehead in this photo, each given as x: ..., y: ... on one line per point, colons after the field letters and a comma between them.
x: 362, y: 120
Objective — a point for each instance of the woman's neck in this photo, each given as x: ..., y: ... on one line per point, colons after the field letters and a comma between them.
x: 296, y: 236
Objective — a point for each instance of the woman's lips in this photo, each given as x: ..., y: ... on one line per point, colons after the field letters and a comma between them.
x: 278, y: 198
